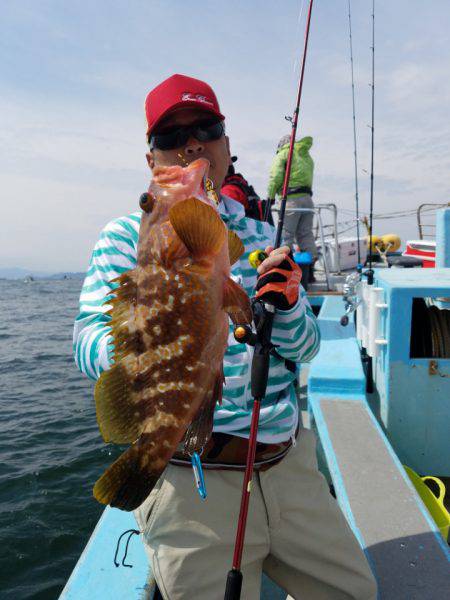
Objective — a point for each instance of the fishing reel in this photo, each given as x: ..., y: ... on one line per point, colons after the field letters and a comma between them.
x: 350, y: 296
x: 244, y: 334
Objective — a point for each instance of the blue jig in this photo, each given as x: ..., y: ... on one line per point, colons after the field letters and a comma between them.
x: 198, y: 475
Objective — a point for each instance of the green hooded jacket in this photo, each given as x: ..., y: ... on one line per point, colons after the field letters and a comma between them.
x: 302, y: 168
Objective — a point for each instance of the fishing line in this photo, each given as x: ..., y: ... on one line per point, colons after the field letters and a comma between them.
x: 299, y: 21
x: 355, y: 152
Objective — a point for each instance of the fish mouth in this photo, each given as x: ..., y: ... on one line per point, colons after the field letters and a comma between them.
x: 195, y: 174
x: 201, y: 165
x: 183, y: 181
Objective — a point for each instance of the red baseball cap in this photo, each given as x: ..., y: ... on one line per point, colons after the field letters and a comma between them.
x: 179, y: 91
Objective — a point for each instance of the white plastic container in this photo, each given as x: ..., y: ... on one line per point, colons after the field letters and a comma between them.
x: 348, y: 253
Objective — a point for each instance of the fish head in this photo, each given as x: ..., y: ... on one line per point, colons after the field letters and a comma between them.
x: 172, y: 184
x: 169, y: 186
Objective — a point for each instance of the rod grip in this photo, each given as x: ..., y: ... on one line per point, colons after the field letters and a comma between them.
x: 260, y: 372
x: 234, y: 585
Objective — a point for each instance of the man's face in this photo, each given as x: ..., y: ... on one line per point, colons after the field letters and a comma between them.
x: 217, y: 152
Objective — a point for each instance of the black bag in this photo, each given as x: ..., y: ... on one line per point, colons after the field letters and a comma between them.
x: 256, y: 206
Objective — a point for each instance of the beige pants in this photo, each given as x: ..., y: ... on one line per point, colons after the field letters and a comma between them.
x: 295, y: 533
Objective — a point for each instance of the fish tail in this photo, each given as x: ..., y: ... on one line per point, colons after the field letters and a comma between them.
x: 128, y: 481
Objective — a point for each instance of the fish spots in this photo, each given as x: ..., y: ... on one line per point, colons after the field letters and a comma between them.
x: 129, y: 362
x: 165, y: 387
x: 197, y: 365
x: 157, y: 329
x: 160, y: 419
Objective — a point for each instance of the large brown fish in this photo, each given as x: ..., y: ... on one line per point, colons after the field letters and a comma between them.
x: 169, y: 321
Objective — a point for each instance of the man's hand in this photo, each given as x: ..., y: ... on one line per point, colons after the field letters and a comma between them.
x: 279, y: 279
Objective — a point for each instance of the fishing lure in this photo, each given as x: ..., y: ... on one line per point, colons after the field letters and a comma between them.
x: 198, y: 475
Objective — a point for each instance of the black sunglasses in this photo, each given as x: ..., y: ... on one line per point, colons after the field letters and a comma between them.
x: 178, y: 135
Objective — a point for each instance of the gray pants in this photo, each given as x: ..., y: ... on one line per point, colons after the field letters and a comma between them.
x: 298, y: 225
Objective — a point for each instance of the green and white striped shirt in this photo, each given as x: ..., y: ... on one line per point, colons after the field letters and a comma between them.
x: 294, y: 331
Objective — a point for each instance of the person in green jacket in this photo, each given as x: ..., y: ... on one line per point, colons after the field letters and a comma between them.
x: 297, y: 225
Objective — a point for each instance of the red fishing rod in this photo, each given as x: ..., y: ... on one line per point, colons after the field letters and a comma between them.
x: 263, y: 316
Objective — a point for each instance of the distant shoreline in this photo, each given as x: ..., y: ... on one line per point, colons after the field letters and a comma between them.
x: 17, y: 273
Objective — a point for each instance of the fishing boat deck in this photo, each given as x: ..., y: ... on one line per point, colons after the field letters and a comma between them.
x: 403, y: 545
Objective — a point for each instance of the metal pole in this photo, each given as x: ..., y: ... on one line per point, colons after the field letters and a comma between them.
x: 324, y: 252
x: 336, y: 239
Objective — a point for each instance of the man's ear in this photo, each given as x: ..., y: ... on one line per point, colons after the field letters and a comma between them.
x: 227, y: 142
x: 150, y: 160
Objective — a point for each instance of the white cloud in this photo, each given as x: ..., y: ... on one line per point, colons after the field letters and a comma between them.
x: 72, y: 156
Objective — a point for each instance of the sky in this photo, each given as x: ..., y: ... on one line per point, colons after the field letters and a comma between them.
x: 74, y: 76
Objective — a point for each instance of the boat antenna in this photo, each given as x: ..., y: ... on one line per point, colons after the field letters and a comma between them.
x: 355, y: 151
x: 261, y: 340
x: 370, y: 271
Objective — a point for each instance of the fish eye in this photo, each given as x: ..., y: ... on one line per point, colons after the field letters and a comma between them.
x: 147, y: 202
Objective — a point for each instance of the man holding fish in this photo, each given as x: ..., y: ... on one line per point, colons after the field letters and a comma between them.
x: 165, y: 288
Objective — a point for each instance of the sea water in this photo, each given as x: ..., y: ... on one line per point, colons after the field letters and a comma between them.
x: 51, y: 452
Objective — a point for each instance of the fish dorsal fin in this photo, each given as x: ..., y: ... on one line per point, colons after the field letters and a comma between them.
x: 236, y: 303
x: 235, y: 246
x: 199, y: 226
x: 122, y: 311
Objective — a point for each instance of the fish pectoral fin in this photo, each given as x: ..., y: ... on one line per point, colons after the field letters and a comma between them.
x: 199, y: 226
x: 236, y: 303
x: 235, y: 246
x: 128, y: 481
x: 199, y: 431
x: 119, y: 418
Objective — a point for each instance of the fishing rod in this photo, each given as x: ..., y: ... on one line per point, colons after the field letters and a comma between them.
x: 369, y: 273
x: 355, y: 152
x: 264, y: 315
x: 372, y: 127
